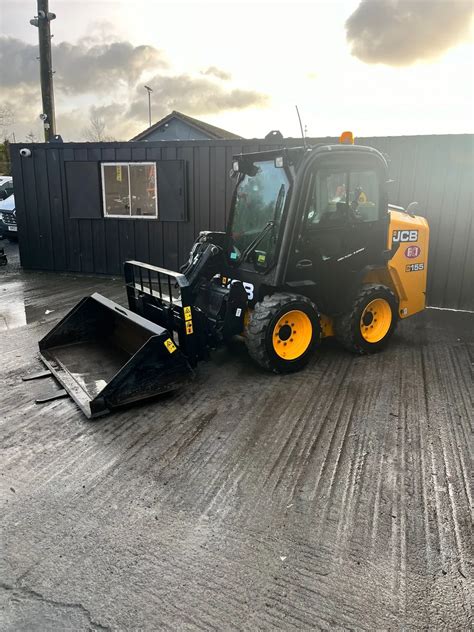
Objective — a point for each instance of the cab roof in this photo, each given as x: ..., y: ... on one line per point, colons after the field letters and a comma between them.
x: 295, y: 155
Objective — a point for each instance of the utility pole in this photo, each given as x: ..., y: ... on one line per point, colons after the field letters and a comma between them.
x: 42, y: 21
x: 149, y: 90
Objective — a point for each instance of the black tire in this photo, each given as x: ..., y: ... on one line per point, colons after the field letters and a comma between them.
x: 350, y: 327
x: 261, y: 329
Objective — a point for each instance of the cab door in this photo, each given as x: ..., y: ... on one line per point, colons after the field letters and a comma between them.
x: 343, y: 229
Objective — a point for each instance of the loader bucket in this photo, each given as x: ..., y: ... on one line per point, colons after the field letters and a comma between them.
x: 106, y: 356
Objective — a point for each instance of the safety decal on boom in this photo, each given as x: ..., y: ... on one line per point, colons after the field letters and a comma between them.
x: 188, y: 320
x: 169, y: 344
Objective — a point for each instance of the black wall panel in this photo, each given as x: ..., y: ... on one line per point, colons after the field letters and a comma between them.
x: 84, y: 193
x: 171, y: 176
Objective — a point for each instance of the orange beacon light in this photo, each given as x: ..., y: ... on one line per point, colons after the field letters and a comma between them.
x: 346, y: 138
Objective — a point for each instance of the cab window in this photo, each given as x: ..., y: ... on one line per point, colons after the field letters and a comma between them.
x: 339, y: 197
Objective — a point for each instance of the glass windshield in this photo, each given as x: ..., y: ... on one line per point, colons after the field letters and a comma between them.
x: 259, y: 203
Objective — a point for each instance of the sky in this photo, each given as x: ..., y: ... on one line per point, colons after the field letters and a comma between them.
x: 376, y: 67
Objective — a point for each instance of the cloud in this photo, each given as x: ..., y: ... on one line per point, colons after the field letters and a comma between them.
x: 214, y: 71
x: 194, y: 95
x: 100, y: 67
x: 83, y: 67
x: 88, y: 72
x: 18, y: 61
x: 403, y: 32
x: 24, y: 102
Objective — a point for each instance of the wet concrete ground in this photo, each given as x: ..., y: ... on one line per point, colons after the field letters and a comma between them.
x: 334, y: 498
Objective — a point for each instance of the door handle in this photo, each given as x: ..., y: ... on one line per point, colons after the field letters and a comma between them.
x: 304, y: 263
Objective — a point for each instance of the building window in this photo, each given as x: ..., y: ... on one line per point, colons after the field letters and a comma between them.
x: 129, y: 189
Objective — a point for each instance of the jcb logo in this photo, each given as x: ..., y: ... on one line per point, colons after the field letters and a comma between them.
x: 404, y: 235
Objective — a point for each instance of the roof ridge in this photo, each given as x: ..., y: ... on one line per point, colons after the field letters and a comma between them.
x: 218, y: 132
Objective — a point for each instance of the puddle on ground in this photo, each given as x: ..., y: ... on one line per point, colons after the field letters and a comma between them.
x: 15, y: 312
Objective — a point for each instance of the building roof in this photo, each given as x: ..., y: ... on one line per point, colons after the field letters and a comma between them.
x: 211, y: 130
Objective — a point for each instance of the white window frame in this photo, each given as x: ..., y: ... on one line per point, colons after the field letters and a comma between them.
x: 127, y: 164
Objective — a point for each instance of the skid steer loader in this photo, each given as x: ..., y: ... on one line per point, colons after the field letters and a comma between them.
x: 312, y: 249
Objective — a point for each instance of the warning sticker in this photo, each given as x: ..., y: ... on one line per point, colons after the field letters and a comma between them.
x: 187, y: 313
x: 169, y: 344
x: 189, y: 327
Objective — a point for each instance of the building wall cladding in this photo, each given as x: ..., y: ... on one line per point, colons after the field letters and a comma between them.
x: 435, y: 171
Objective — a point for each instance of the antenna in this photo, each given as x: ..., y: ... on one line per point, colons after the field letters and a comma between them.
x: 301, y: 127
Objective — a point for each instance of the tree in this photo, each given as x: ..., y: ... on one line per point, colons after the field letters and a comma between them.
x: 6, y: 121
x: 31, y: 137
x: 95, y: 133
x: 5, y: 168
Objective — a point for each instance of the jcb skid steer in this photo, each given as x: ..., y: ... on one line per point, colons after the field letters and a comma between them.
x: 312, y: 249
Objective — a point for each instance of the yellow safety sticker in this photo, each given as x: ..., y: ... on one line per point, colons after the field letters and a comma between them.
x: 189, y: 327
x: 187, y: 313
x: 169, y: 344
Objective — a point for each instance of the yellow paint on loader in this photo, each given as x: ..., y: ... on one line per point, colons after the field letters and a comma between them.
x: 409, y: 266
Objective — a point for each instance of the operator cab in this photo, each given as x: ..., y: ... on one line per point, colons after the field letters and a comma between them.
x: 308, y: 216
x: 261, y: 196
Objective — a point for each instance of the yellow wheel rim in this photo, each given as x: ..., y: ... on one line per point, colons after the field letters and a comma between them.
x: 292, y: 335
x: 376, y: 320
